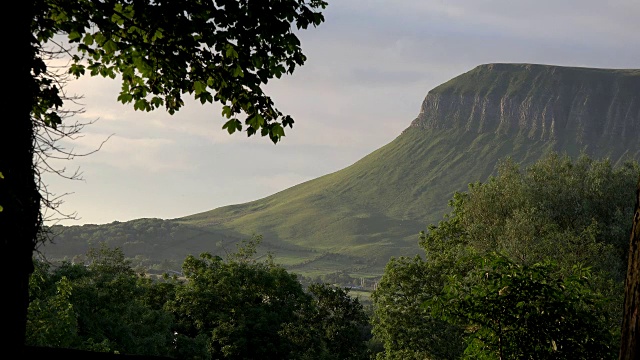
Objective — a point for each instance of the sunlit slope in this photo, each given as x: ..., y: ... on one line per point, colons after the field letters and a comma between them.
x: 375, y: 208
x: 355, y: 219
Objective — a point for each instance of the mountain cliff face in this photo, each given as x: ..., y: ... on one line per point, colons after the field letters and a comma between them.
x: 593, y: 107
x: 355, y: 219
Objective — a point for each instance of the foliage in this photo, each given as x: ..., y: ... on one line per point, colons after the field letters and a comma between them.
x: 249, y: 309
x: 572, y: 213
x: 234, y: 308
x: 154, y: 241
x: 242, y: 307
x: 223, y: 51
x: 51, y: 318
x: 339, y: 321
x: 100, y: 307
x: 569, y: 211
x: 526, y: 312
x: 406, y: 329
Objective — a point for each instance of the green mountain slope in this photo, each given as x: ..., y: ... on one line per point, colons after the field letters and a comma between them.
x: 357, y: 218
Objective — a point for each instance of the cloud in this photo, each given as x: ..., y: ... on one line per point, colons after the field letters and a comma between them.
x: 126, y: 153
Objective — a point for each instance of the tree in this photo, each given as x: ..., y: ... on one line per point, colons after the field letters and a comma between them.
x: 574, y: 213
x: 234, y: 308
x: 102, y: 305
x: 237, y: 309
x: 222, y: 51
x: 401, y: 322
x: 340, y: 322
x: 513, y: 311
x: 569, y: 210
x: 51, y: 318
x: 630, y: 344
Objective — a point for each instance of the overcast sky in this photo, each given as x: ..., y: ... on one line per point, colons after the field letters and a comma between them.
x: 370, y: 65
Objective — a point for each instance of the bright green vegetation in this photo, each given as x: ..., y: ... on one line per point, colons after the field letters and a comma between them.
x: 237, y: 308
x: 535, y: 79
x: 530, y: 262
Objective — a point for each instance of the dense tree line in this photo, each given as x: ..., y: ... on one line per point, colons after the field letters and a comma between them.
x: 529, y: 264
x: 148, y: 239
x: 234, y: 308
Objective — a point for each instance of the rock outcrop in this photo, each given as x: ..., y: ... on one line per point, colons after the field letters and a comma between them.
x: 356, y: 218
x: 541, y: 102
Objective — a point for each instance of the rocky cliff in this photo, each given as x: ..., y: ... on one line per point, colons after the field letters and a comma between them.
x: 356, y: 218
x: 540, y: 102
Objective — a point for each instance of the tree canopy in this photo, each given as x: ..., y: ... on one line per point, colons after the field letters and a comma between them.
x: 514, y: 311
x: 217, y: 51
x: 546, y: 223
x: 234, y: 308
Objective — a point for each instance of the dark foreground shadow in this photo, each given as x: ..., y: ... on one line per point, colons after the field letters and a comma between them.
x: 35, y: 352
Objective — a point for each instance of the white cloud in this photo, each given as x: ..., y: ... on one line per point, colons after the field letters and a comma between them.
x: 125, y: 153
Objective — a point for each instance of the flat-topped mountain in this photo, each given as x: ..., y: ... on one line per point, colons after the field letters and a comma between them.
x: 588, y: 107
x: 355, y: 219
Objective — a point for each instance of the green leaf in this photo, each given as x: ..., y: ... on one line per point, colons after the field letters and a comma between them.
x: 226, y: 111
x: 237, y: 72
x: 256, y: 121
x: 232, y: 125
x: 231, y: 52
x: 157, y: 101
x: 199, y: 87
x: 110, y: 46
x: 257, y: 61
x: 206, y: 97
x: 100, y: 38
x: 117, y: 19
x: 74, y: 36
x: 158, y: 35
x: 277, y: 130
x: 141, y: 104
x: 125, y: 98
x: 287, y: 121
x: 88, y: 39
x: 76, y: 70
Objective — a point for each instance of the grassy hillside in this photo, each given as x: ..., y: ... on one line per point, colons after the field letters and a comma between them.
x: 354, y: 219
x: 512, y: 79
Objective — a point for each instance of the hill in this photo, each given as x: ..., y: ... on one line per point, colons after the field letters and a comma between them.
x: 355, y: 219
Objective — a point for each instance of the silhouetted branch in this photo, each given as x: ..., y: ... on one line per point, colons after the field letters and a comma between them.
x: 51, y: 141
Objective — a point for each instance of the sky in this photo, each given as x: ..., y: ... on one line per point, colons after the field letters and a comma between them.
x: 369, y: 67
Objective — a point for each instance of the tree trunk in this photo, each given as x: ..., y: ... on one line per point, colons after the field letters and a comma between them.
x: 19, y: 195
x: 629, y: 347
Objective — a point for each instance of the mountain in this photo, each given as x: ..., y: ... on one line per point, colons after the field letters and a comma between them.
x: 355, y: 219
